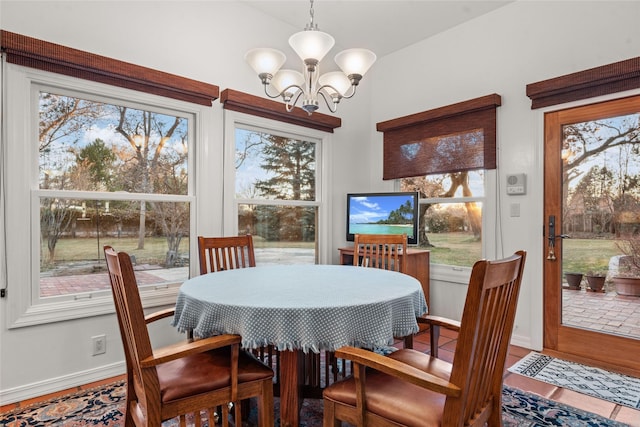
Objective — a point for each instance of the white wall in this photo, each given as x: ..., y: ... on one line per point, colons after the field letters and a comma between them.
x: 500, y: 52
x: 205, y: 41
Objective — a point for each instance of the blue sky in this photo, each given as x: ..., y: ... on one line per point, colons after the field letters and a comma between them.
x: 374, y: 208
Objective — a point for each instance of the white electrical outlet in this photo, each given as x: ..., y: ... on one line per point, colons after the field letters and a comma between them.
x: 99, y: 344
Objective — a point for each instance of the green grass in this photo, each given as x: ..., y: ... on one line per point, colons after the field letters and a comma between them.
x: 583, y: 255
x: 460, y: 249
x: 84, y: 249
x: 579, y: 255
x: 154, y: 252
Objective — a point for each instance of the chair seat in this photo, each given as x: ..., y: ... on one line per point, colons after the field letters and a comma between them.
x: 411, y: 389
x: 204, y: 372
x: 397, y: 400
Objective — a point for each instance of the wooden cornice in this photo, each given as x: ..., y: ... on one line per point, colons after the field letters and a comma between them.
x: 35, y: 53
x: 262, y: 107
x: 453, y: 110
x: 598, y: 81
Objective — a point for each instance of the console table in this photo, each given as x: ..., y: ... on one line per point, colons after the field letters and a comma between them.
x: 417, y: 265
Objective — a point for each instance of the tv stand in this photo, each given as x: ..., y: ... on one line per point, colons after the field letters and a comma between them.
x: 417, y: 265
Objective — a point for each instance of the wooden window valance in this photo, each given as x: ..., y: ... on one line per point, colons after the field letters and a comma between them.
x: 455, y: 138
x: 262, y: 107
x: 35, y: 53
x: 604, y: 80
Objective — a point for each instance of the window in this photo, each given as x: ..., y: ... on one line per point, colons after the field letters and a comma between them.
x: 274, y: 170
x: 95, y: 151
x: 447, y: 155
x: 90, y: 165
x: 103, y: 149
x: 450, y: 215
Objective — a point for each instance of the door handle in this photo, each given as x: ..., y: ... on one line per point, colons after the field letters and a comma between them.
x: 551, y: 256
x: 552, y: 236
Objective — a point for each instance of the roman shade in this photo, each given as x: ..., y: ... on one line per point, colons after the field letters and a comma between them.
x: 455, y: 138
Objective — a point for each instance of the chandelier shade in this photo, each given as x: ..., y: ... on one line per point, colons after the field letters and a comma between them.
x: 265, y: 60
x: 335, y: 82
x: 287, y: 81
x: 311, y: 45
x: 355, y: 61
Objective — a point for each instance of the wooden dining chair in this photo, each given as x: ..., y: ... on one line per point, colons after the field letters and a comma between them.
x: 225, y: 253
x: 410, y: 388
x: 380, y: 251
x: 184, y: 378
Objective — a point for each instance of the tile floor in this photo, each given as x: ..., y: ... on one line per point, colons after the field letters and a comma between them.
x: 604, y: 408
x: 446, y: 349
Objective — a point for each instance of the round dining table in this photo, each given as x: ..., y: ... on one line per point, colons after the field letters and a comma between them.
x: 300, y: 309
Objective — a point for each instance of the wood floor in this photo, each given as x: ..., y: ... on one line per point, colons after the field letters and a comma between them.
x: 447, y: 347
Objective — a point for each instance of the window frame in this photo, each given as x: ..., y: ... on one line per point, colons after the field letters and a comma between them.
x: 461, y: 274
x: 20, y: 105
x: 233, y: 120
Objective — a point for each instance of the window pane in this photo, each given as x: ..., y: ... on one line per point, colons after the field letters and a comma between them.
x: 460, y: 184
x: 453, y: 239
x: 452, y: 231
x: 93, y: 146
x: 601, y: 197
x: 73, y: 233
x: 281, y: 234
x: 274, y: 167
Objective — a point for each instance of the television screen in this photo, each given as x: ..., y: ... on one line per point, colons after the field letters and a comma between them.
x: 383, y: 213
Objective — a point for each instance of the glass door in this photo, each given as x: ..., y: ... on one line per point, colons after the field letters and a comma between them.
x: 592, y: 232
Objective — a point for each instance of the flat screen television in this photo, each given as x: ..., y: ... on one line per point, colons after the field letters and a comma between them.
x: 383, y: 213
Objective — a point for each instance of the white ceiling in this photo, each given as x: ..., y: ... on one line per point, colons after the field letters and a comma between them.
x: 382, y: 26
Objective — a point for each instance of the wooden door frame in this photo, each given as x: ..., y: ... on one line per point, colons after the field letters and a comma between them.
x: 605, y: 350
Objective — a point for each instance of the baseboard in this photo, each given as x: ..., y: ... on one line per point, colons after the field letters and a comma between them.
x: 53, y: 385
x: 523, y: 341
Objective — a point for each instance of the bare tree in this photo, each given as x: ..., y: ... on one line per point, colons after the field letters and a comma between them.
x: 59, y: 117
x: 474, y: 214
x: 582, y: 141
x: 64, y: 116
x: 147, y: 135
x: 608, y: 191
x: 55, y: 218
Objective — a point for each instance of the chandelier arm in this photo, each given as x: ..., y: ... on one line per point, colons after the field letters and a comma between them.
x: 353, y: 92
x: 281, y: 94
x: 326, y: 101
x: 292, y: 102
x: 266, y: 92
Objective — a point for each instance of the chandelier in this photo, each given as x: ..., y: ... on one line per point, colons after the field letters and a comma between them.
x: 311, y: 45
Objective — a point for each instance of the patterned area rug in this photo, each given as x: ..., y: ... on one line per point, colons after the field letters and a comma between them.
x: 103, y: 406
x: 616, y: 388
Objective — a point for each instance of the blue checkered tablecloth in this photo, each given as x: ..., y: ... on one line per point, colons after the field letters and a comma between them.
x: 303, y: 307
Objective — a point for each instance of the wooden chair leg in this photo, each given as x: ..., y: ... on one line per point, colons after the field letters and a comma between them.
x: 434, y: 336
x: 408, y: 341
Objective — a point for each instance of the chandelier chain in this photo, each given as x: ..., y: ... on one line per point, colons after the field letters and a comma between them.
x: 311, y: 25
